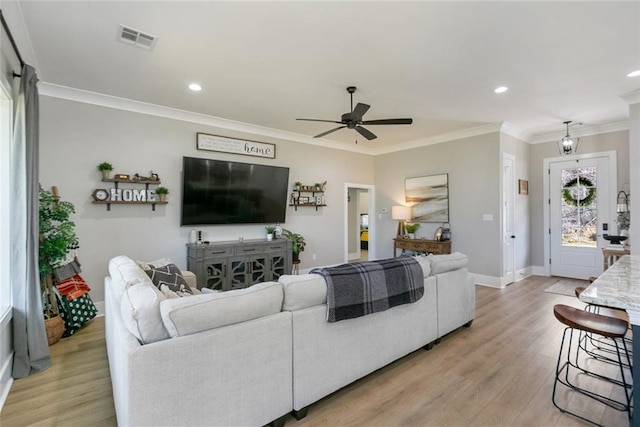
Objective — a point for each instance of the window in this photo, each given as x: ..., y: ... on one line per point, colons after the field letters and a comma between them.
x: 6, y: 125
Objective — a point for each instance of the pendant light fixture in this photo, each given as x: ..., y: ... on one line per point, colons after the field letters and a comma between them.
x: 568, y: 144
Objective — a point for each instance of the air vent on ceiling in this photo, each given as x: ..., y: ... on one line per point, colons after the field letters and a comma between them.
x: 137, y: 38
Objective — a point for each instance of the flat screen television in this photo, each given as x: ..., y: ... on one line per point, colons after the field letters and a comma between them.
x: 222, y: 192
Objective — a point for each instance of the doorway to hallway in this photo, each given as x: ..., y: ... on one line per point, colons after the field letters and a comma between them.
x: 358, y: 222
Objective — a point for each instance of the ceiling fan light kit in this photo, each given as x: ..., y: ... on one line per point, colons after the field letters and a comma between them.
x: 353, y: 120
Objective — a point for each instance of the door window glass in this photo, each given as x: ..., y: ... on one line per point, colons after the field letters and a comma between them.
x: 579, y: 213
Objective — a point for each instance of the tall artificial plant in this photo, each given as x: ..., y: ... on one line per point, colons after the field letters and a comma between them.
x: 57, y: 237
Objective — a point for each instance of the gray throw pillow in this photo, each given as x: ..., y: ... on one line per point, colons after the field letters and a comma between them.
x: 170, y: 276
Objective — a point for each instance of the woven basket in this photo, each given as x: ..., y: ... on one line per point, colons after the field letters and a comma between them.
x: 55, y: 329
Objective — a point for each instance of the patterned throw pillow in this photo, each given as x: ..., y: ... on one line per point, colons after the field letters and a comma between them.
x: 170, y: 276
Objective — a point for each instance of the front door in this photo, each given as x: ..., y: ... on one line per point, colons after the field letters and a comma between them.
x: 578, y: 209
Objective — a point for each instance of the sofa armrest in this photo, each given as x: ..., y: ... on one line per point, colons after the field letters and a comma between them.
x: 190, y: 278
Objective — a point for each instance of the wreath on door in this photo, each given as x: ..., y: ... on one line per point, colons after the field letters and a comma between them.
x: 572, y: 197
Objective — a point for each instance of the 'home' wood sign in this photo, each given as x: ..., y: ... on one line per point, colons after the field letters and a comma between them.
x: 224, y: 144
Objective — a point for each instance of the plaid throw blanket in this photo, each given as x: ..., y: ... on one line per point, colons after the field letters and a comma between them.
x: 361, y: 288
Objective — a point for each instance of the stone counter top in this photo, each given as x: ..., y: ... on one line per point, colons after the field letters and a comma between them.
x: 619, y: 286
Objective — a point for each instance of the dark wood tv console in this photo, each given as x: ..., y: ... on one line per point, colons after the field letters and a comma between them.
x: 234, y: 265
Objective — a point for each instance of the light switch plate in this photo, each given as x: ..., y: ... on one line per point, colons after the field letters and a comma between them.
x: 487, y: 217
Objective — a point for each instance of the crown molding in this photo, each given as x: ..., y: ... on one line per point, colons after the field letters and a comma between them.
x: 125, y: 104
x: 439, y: 139
x: 582, y: 131
x: 631, y: 97
x: 109, y: 101
x: 516, y: 132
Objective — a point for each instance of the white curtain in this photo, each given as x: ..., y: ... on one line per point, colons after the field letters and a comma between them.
x: 31, y: 351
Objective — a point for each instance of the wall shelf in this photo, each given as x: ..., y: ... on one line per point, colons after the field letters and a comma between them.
x: 146, y: 184
x: 298, y: 200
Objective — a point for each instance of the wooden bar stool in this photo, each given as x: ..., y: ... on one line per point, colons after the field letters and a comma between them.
x: 607, y: 327
x: 603, y: 346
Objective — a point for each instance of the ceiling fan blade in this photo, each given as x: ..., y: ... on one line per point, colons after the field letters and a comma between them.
x: 389, y: 122
x: 320, y: 135
x: 319, y: 120
x: 359, y: 111
x: 366, y: 133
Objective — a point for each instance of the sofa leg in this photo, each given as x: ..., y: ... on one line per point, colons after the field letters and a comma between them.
x: 468, y: 324
x: 438, y: 340
x: 300, y: 413
x: 278, y: 422
x: 429, y: 346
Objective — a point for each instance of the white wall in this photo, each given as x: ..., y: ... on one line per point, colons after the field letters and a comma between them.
x: 75, y: 137
x: 473, y: 165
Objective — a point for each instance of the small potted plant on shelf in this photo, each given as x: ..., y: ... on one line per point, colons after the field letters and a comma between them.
x: 297, y: 185
x: 411, y: 228
x: 105, y: 168
x: 318, y: 186
x: 297, y: 243
x: 162, y: 193
x: 271, y: 229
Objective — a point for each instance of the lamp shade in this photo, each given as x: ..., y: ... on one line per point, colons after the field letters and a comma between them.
x: 401, y: 212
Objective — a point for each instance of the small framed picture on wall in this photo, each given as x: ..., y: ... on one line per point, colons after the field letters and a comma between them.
x: 523, y: 186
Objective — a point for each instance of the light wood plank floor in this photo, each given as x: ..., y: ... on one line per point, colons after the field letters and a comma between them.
x: 499, y: 372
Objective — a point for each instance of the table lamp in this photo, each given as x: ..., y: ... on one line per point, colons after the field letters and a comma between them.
x: 402, y: 214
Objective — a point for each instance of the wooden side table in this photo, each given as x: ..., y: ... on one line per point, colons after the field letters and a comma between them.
x: 612, y: 255
x: 421, y: 245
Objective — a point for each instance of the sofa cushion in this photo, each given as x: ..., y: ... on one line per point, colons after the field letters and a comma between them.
x: 123, y: 270
x: 148, y: 265
x: 185, y: 316
x: 304, y: 290
x: 140, y: 310
x: 170, y: 276
x: 425, y: 263
x: 443, y: 263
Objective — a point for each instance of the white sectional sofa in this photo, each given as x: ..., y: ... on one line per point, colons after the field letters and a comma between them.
x: 252, y: 356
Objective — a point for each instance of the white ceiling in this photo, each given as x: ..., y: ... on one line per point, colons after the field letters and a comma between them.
x: 267, y: 63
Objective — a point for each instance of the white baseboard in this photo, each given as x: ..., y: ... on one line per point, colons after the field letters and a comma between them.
x: 490, y: 281
x: 502, y: 282
x: 100, y: 306
x: 523, y: 274
x: 540, y: 271
x: 6, y: 379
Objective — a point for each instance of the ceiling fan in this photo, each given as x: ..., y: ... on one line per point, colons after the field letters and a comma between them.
x: 353, y: 120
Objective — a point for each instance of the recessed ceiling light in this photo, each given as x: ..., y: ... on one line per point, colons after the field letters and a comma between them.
x: 635, y: 73
x: 501, y: 89
x: 195, y: 87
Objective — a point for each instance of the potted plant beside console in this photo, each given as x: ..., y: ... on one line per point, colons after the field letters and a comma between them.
x: 297, y: 243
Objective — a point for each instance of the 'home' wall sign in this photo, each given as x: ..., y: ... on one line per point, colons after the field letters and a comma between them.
x: 224, y: 144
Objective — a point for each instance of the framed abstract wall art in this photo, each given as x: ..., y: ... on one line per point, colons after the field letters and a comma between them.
x: 429, y: 196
